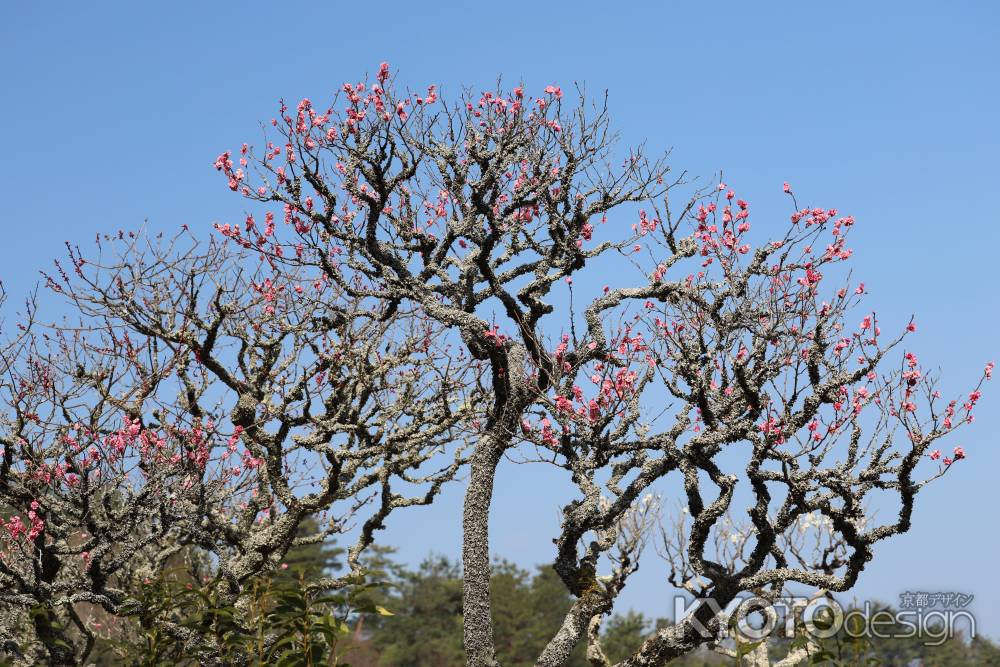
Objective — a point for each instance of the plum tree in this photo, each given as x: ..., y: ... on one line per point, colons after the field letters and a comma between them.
x: 414, y: 294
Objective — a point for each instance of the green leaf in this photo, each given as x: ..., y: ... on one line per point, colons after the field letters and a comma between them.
x: 743, y: 649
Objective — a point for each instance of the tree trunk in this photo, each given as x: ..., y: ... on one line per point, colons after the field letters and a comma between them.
x: 478, y: 621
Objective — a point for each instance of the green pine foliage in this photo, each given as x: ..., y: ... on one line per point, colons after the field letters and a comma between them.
x: 403, y: 617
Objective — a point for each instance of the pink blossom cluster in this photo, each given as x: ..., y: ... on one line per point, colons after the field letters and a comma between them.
x: 16, y: 527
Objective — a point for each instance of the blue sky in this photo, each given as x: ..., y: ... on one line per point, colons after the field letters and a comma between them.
x: 114, y: 112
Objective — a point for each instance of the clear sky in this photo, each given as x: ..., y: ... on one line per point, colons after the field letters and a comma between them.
x: 114, y: 112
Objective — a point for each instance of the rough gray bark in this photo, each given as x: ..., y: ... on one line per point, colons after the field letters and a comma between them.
x: 476, y: 615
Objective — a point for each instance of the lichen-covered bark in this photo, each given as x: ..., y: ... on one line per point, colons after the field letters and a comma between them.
x: 476, y: 616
